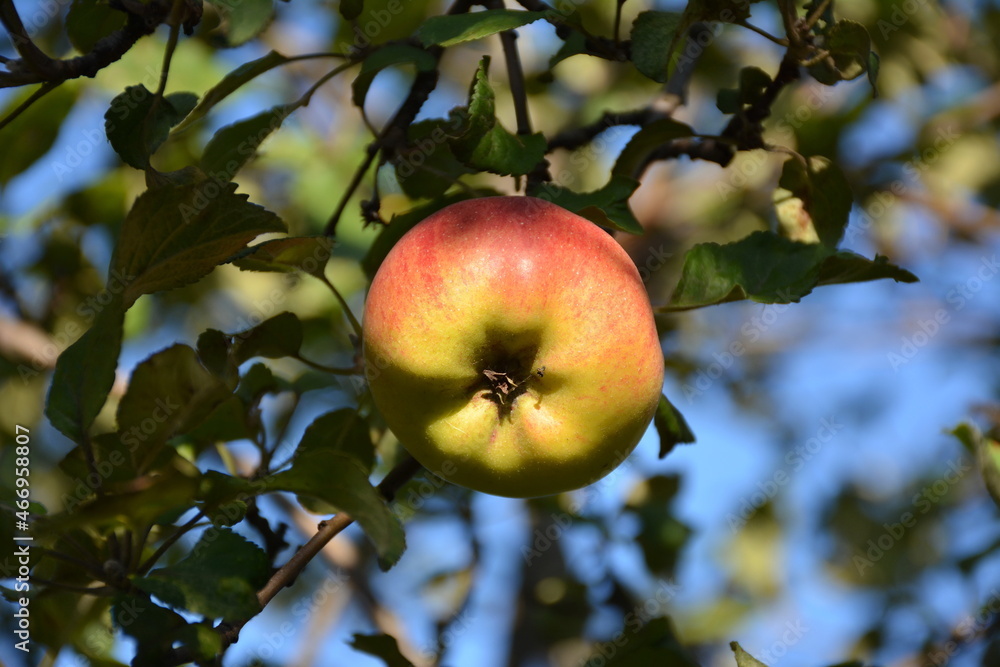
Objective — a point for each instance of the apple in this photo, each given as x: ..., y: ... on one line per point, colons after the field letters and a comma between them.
x: 510, y: 346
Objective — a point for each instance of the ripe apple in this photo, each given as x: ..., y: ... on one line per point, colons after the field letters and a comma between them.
x: 510, y: 346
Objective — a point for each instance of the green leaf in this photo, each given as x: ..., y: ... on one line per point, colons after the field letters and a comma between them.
x: 850, y: 46
x: 157, y: 630
x: 484, y: 144
x: 175, y: 235
x: 244, y: 20
x: 234, y: 145
x: 767, y: 268
x: 231, y: 83
x: 388, y: 56
x: 607, y: 207
x: 341, y: 430
x: 671, y: 426
x: 89, y: 21
x: 308, y: 254
x: 219, y: 578
x: 339, y: 479
x: 426, y: 166
x: 575, y: 44
x: 85, y: 373
x: 257, y: 381
x: 848, y: 267
x: 31, y: 135
x: 654, y: 37
x: 744, y: 659
x: 813, y: 204
x: 381, y: 646
x: 661, y: 535
x: 136, y: 127
x: 170, y: 392
x: 451, y: 29
x: 279, y: 336
x: 645, y: 141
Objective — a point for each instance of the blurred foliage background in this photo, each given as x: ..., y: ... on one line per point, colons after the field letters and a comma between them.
x: 826, y: 513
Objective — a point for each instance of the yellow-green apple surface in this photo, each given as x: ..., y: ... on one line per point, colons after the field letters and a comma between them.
x: 510, y: 346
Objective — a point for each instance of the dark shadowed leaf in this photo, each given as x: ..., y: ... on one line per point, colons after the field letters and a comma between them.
x: 350, y: 9
x: 89, y: 21
x: 342, y: 430
x: 653, y: 643
x: 85, y: 373
x: 157, y: 630
x: 175, y: 235
x: 767, y: 268
x: 136, y: 126
x: 279, y: 336
x: 339, y: 479
x: 850, y: 46
x: 813, y: 204
x: 454, y: 29
x: 219, y: 578
x: 30, y: 136
x: 654, y: 37
x: 234, y: 145
x: 169, y: 393
x: 426, y: 167
x: 607, y: 207
x: 230, y: 84
x: 847, y: 267
x: 383, y: 647
x: 308, y: 254
x: 671, y: 426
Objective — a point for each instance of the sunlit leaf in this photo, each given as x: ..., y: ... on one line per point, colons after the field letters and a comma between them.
x: 744, y: 659
x: 343, y: 430
x: 484, y: 144
x: 451, y: 29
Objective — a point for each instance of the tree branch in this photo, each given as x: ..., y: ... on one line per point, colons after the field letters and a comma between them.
x: 34, y: 66
x: 287, y: 573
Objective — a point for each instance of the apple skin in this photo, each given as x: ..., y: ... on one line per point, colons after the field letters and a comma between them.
x: 512, y: 285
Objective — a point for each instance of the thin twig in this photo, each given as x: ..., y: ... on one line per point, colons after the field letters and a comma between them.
x: 355, y: 324
x: 749, y: 26
x: 169, y: 542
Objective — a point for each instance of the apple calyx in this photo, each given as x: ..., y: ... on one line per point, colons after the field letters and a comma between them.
x: 503, y: 389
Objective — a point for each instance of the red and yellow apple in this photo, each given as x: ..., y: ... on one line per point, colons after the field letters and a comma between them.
x: 510, y: 346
